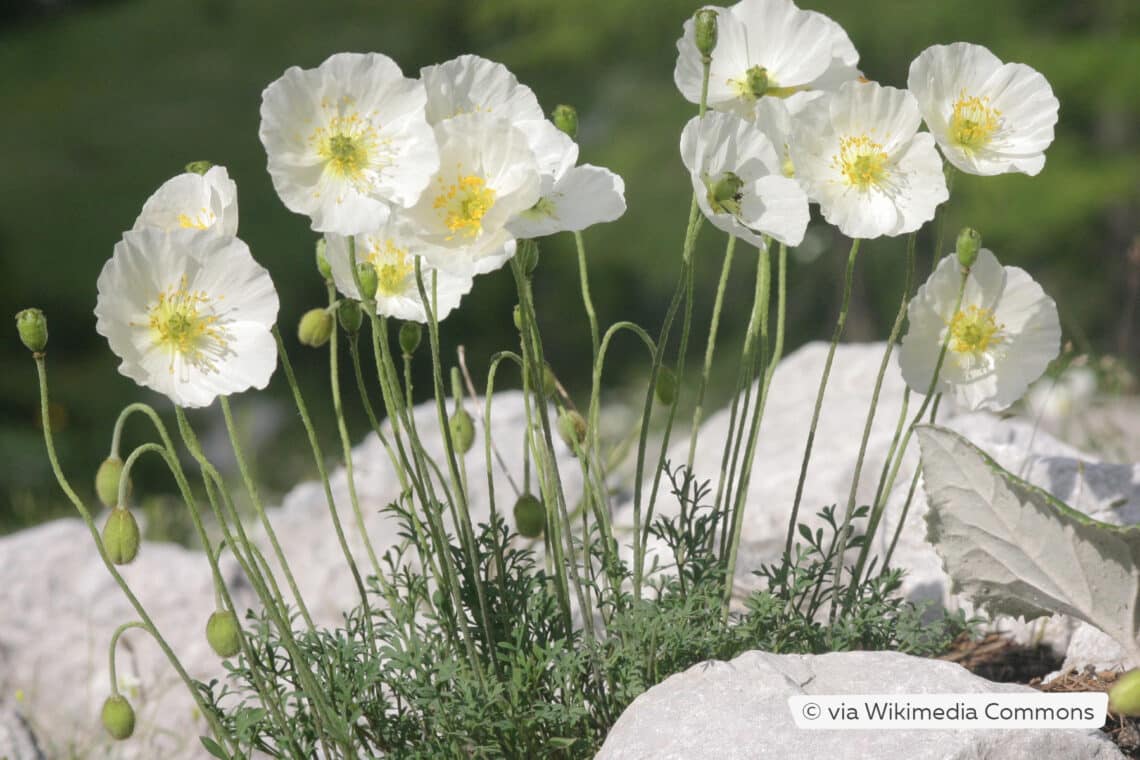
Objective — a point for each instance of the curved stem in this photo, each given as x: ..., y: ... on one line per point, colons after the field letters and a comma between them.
x: 111, y: 651
x: 587, y: 302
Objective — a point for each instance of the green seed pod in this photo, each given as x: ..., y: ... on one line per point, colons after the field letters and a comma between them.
x: 756, y: 82
x: 666, y: 388
x: 706, y: 32
x: 410, y: 335
x: 350, y: 316
x: 462, y: 430
x: 572, y: 428
x: 118, y: 717
x: 566, y: 119
x: 107, y: 481
x: 969, y: 243
x: 530, y: 516
x: 31, y: 324
x: 1124, y: 696
x: 315, y: 328
x: 549, y: 381
x: 224, y: 633
x: 724, y: 192
x: 369, y: 281
x: 121, y: 536
x: 199, y: 167
x: 323, y: 260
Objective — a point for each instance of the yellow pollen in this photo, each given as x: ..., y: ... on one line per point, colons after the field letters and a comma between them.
x: 178, y: 325
x: 393, y: 267
x: 974, y: 331
x: 862, y: 161
x: 973, y: 122
x: 203, y: 221
x: 463, y: 205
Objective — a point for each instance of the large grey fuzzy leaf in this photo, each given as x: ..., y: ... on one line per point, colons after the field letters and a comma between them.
x: 1017, y: 550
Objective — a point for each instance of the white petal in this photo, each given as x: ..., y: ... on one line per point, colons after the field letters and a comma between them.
x: 776, y: 206
x: 470, y: 84
x: 586, y: 195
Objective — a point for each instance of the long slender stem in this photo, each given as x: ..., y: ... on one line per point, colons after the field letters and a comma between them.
x: 710, y: 349
x: 587, y: 302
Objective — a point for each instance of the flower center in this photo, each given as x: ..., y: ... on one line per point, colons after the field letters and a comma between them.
x: 862, y: 161
x: 393, y: 267
x: 724, y: 193
x: 974, y: 331
x: 463, y: 204
x: 179, y: 326
x: 973, y: 122
x: 350, y: 146
x: 753, y: 85
x: 203, y: 221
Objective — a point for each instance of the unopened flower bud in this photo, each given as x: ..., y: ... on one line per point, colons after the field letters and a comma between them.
x: 666, y: 388
x: 516, y: 317
x: 107, y: 481
x: 118, y: 717
x: 315, y: 328
x: 1124, y: 696
x: 969, y: 242
x: 705, y: 22
x: 410, y: 334
x: 32, y: 326
x: 350, y: 316
x: 572, y: 428
x: 566, y: 119
x: 528, y: 256
x: 530, y: 516
x: 462, y: 430
x: 549, y: 381
x: 199, y: 167
x: 224, y: 633
x: 323, y: 260
x: 369, y: 281
x: 121, y: 536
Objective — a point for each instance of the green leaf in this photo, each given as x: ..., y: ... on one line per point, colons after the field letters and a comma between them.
x: 213, y: 748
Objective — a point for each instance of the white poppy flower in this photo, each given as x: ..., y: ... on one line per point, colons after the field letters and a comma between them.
x: 738, y: 182
x: 347, y: 140
x: 988, y: 117
x: 470, y: 84
x: 859, y: 155
x: 191, y: 200
x: 572, y: 198
x: 1001, y: 338
x: 765, y: 47
x: 392, y: 251
x: 487, y: 176
x: 189, y: 313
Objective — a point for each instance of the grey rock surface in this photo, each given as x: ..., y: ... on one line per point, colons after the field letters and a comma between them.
x: 739, y: 709
x: 16, y: 739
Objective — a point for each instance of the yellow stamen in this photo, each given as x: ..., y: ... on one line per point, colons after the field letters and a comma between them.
x: 203, y: 221
x: 862, y: 161
x: 393, y: 267
x: 178, y: 325
x: 974, y: 331
x: 974, y: 121
x: 463, y: 204
x: 350, y: 144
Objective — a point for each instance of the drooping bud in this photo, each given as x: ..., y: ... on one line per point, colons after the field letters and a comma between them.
x: 410, y: 335
x: 121, y: 536
x: 549, y: 381
x: 527, y: 254
x: 315, y: 328
x: 462, y: 430
x: 107, y: 481
x: 323, y: 261
x: 756, y: 82
x: 369, y: 280
x: 566, y: 119
x: 118, y: 717
x: 530, y: 516
x: 199, y: 167
x: 1124, y: 696
x: 350, y: 316
x: 969, y: 243
x: 705, y: 22
x: 724, y: 192
x: 31, y: 324
x: 224, y: 633
x: 666, y: 388
x: 572, y: 428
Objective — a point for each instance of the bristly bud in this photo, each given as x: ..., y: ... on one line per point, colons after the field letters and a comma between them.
x: 323, y: 261
x: 121, y: 536
x: 107, y: 481
x: 462, y: 430
x: 666, y: 388
x: 410, y: 335
x: 549, y: 381
x: 350, y: 315
x: 118, y: 717
x: 315, y: 328
x: 572, y: 428
x: 530, y: 516
x: 527, y: 254
x: 705, y: 22
x: 199, y: 167
x: 224, y: 633
x: 1124, y: 696
x: 31, y: 324
x: 566, y: 119
x: 969, y: 243
x: 369, y: 280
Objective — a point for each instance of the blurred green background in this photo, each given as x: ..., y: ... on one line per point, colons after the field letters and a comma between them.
x: 103, y: 101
